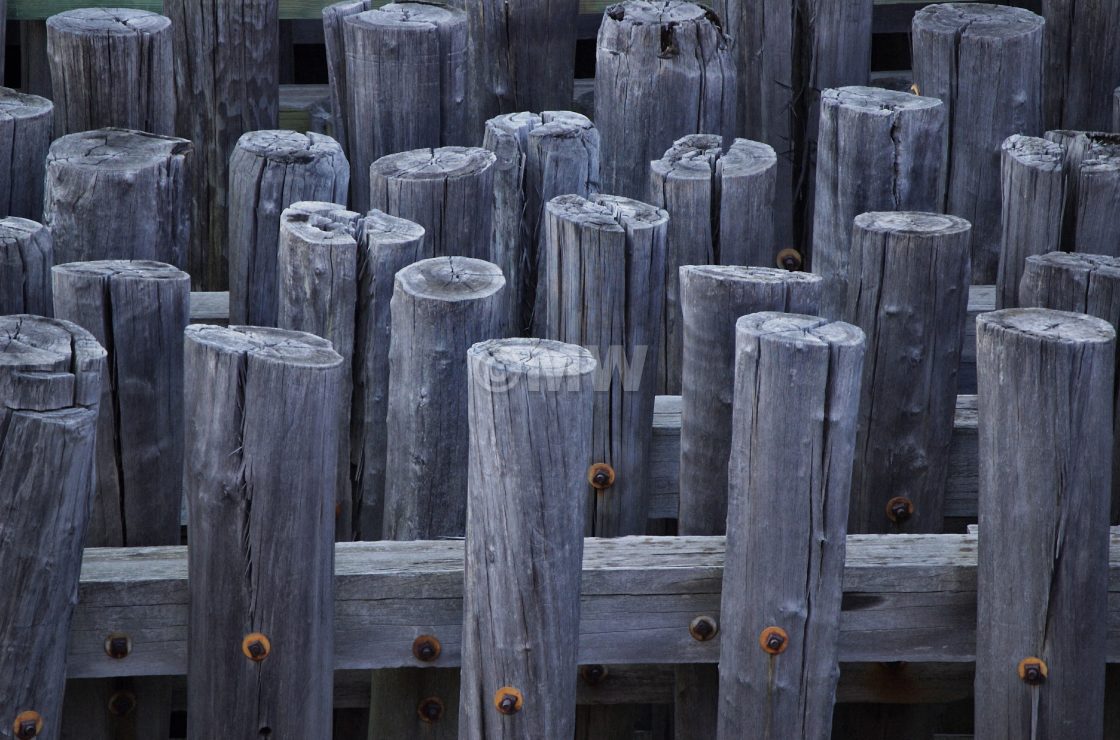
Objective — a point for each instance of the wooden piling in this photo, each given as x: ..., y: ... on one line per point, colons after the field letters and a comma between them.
x: 26, y: 131
x: 440, y: 307
x: 1092, y: 177
x: 26, y: 257
x: 908, y: 292
x: 269, y: 171
x: 878, y: 150
x: 226, y: 83
x: 50, y: 384
x: 663, y: 70
x: 262, y: 441
x: 111, y: 67
x: 1045, y: 380
x: 720, y: 208
x: 790, y: 467
x: 119, y: 194
x: 602, y: 270
x: 530, y: 411
x: 984, y: 62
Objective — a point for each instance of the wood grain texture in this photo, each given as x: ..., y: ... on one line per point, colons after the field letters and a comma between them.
x: 985, y: 64
x: 797, y: 397
x: 26, y: 258
x: 50, y: 384
x: 1092, y: 176
x: 261, y: 454
x: 720, y: 208
x: 35, y: 68
x: 440, y: 307
x: 26, y: 131
x: 530, y: 416
x: 601, y: 275
x: 1045, y: 378
x: 878, y: 150
x: 226, y: 83
x: 111, y: 67
x: 1116, y: 110
x: 269, y: 171
x: 119, y: 194
x: 908, y: 291
x: 663, y: 70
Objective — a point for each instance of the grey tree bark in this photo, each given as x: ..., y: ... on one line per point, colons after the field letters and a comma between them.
x: 26, y: 258
x: 26, y: 132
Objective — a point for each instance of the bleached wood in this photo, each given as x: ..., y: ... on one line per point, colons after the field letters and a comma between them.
x: 26, y: 258
x: 26, y: 131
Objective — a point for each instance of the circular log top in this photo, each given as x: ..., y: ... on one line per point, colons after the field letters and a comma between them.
x: 434, y: 164
x: 21, y: 106
x: 408, y: 16
x: 798, y: 329
x: 1048, y: 325
x: 381, y: 228
x: 876, y: 100
x: 514, y: 124
x: 287, y: 347
x: 1034, y: 152
x: 699, y: 156
x: 541, y: 358
x: 562, y: 123
x: 15, y: 229
x: 48, y: 364
x: 745, y: 274
x: 451, y: 279
x: 108, y: 22
x: 289, y: 147
x: 977, y: 20
x: 316, y: 222
x: 115, y: 149
x: 911, y: 223
x: 135, y: 269
x: 606, y: 212
x: 1097, y: 264
x: 661, y: 12
x: 632, y: 214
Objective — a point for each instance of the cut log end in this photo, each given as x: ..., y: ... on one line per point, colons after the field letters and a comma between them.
x: 741, y: 273
x: 977, y: 20
x: 48, y: 364
x: 432, y: 164
x: 798, y: 329
x: 282, y: 345
x: 1034, y: 152
x: 289, y: 147
x: 108, y: 22
x: 115, y: 149
x: 451, y: 279
x: 876, y: 100
x: 316, y: 222
x: 1046, y: 325
x: 540, y: 358
x: 1097, y: 264
x: 643, y: 12
x: 420, y: 16
x: 21, y: 106
x: 912, y: 223
x: 141, y: 269
x: 381, y: 228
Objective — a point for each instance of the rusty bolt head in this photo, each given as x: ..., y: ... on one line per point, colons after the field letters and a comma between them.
x: 1033, y: 670
x: 594, y: 674
x: 118, y: 645
x: 703, y: 628
x: 256, y: 647
x: 900, y: 509
x: 790, y: 259
x: 508, y: 700
x: 122, y: 703
x: 27, y: 725
x: 426, y: 648
x: 773, y: 640
x: 430, y: 709
x: 600, y: 476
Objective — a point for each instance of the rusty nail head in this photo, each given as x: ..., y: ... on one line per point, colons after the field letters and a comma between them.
x: 1033, y: 670
x: 426, y: 648
x: 121, y: 703
x: 430, y: 709
x: 256, y: 647
x: 118, y: 645
x: 508, y: 700
x: 790, y: 259
x: 900, y: 509
x: 703, y: 628
x: 27, y: 725
x: 600, y: 476
x: 774, y: 640
x: 593, y: 674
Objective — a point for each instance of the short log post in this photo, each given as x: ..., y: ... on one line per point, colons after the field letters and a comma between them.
x: 984, y: 62
x: 1092, y: 172
x: 118, y: 194
x: 663, y: 70
x: 26, y: 257
x: 269, y: 171
x: 908, y: 291
x: 530, y: 411
x: 790, y: 467
x: 112, y: 67
x: 50, y: 385
x: 226, y: 83
x: 1042, y: 561
x: 1033, y: 201
x: 878, y: 150
x: 440, y: 307
x: 537, y: 157
x: 449, y: 191
x: 602, y: 270
x: 720, y: 208
x: 26, y: 131
x: 262, y: 440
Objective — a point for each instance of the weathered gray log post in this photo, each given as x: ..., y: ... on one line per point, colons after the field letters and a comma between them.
x: 1042, y: 564
x: 908, y: 290
x: 530, y: 411
x: 269, y: 171
x: 1033, y: 201
x: 878, y: 150
x: 537, y: 158
x: 602, y: 273
x: 1092, y: 178
x: 449, y: 191
x: 262, y: 440
x: 985, y: 63
x: 440, y: 307
x: 50, y: 384
x: 398, y: 75
x: 791, y: 461
x: 26, y: 257
x: 26, y: 126
x: 663, y: 70
x: 112, y: 67
x: 720, y: 208
x: 226, y: 83
x: 119, y: 194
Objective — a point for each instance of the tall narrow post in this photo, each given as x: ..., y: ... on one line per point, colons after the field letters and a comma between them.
x: 1092, y: 178
x: 1116, y: 110
x: 530, y: 416
x: 26, y: 257
x: 50, y: 384
x: 1042, y: 561
x: 26, y: 131
x: 790, y: 468
x: 262, y: 441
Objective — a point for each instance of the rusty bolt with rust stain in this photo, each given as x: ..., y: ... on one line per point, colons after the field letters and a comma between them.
x: 1033, y: 670
x: 600, y: 476
x: 900, y: 509
x: 430, y: 709
x: 508, y: 700
x: 790, y: 259
x: 27, y: 725
x: 118, y: 645
x: 773, y: 640
x: 122, y: 703
x: 256, y: 647
x: 594, y: 674
x: 426, y: 648
x: 703, y: 628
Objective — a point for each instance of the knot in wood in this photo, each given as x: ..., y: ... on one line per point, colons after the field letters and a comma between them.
x: 773, y: 640
x: 593, y: 675
x: 256, y: 647
x: 118, y: 645
x: 426, y: 648
x: 27, y: 724
x: 121, y: 703
x: 508, y: 700
x: 900, y: 509
x: 430, y: 709
x: 703, y: 628
x: 600, y: 476
x: 1033, y: 671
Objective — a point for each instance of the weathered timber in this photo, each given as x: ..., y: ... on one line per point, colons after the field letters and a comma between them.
x: 663, y: 70
x: 793, y: 438
x: 261, y: 454
x: 119, y: 194
x: 399, y: 76
x: 26, y: 257
x: 530, y: 409
x: 50, y: 384
x: 440, y: 307
x: 908, y: 290
x: 1092, y: 172
x: 26, y: 131
x: 35, y: 68
x: 601, y: 277
x: 720, y: 208
x: 226, y: 83
x: 269, y: 171
x: 984, y: 62
x: 878, y: 150
x: 111, y: 67
x: 538, y: 156
x: 414, y: 703
x: 1116, y: 110
x: 108, y: 709
x: 1045, y: 382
